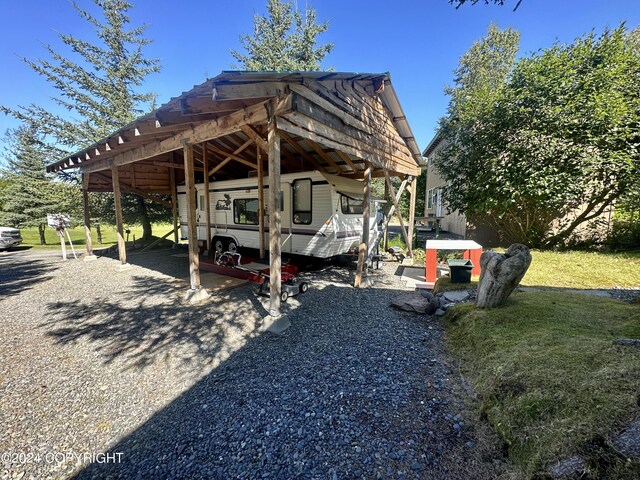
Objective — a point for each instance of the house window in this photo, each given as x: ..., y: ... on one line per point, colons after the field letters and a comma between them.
x: 350, y: 205
x: 430, y: 198
x: 245, y: 211
x: 302, y: 201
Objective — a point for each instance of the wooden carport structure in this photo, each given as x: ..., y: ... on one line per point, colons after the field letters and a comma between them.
x: 339, y: 123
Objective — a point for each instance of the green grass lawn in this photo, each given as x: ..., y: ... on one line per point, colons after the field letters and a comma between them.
x: 579, y: 269
x: 31, y: 238
x: 550, y: 381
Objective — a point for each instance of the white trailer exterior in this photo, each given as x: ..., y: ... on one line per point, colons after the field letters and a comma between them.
x: 321, y: 214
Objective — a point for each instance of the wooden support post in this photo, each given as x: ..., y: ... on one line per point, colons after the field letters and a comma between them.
x: 115, y: 178
x: 275, y: 260
x: 363, y: 250
x: 260, y: 201
x: 174, y: 203
x: 385, y: 241
x: 412, y: 209
x: 399, y: 213
x: 87, y: 213
x: 192, y: 228
x: 207, y: 206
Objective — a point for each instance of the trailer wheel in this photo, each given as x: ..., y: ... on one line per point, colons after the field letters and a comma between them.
x: 304, y: 286
x: 284, y: 295
x: 232, y: 247
x: 218, y: 245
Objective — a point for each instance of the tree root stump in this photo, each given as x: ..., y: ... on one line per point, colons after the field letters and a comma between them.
x: 500, y: 274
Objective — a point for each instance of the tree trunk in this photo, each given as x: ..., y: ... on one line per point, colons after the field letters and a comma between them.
x: 144, y: 219
x: 99, y: 233
x: 43, y: 241
x: 501, y: 274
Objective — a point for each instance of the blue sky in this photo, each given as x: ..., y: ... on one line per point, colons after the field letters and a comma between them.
x: 418, y: 42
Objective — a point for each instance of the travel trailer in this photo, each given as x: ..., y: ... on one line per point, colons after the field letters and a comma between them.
x: 321, y: 214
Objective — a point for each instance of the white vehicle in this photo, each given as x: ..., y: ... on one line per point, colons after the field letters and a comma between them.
x: 9, y: 237
x: 321, y: 214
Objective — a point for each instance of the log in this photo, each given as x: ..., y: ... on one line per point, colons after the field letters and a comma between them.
x: 501, y: 274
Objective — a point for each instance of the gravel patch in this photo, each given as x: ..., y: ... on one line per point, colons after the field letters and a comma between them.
x: 96, y: 360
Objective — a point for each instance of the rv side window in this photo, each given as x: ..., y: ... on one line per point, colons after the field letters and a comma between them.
x: 302, y: 201
x: 245, y: 211
x: 350, y: 205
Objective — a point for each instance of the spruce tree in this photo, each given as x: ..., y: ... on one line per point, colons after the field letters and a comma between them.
x: 97, y: 82
x: 284, y: 40
x: 29, y: 193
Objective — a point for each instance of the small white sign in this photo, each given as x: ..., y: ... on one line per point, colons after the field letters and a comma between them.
x: 58, y: 221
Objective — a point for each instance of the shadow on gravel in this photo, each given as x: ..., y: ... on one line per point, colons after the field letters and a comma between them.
x: 338, y: 395
x: 141, y: 326
x: 20, y: 273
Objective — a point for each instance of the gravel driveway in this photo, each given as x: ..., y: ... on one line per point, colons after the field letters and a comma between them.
x: 94, y: 361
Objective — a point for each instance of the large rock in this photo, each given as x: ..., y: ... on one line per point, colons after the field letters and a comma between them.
x: 413, y: 302
x: 500, y: 274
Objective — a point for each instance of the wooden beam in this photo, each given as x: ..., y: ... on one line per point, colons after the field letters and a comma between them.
x: 174, y: 202
x: 260, y: 202
x: 379, y: 160
x: 392, y: 209
x: 233, y: 157
x: 176, y: 165
x: 228, y: 159
x: 347, y: 160
x: 122, y: 249
x: 207, y: 207
x: 251, y: 132
x: 363, y: 250
x: 213, y: 129
x: 236, y: 91
x: 192, y: 228
x: 275, y: 259
x: 128, y: 188
x: 395, y: 204
x: 306, y: 155
x: 325, y: 156
x: 412, y: 208
x: 87, y: 213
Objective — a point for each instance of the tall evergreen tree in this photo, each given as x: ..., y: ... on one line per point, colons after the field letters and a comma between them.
x: 97, y: 82
x: 29, y: 193
x: 284, y: 40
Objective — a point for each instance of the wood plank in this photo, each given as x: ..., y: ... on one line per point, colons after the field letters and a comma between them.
x: 223, y: 126
x: 194, y: 259
x: 253, y: 134
x: 412, y: 208
x: 395, y: 203
x: 207, y: 206
x: 363, y: 250
x: 122, y: 249
x: 378, y: 134
x: 354, y: 150
x: 275, y: 259
x: 87, y: 213
x: 236, y: 91
x: 174, y: 202
x: 260, y: 203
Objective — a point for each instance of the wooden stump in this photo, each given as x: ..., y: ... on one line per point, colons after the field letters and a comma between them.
x: 501, y: 273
